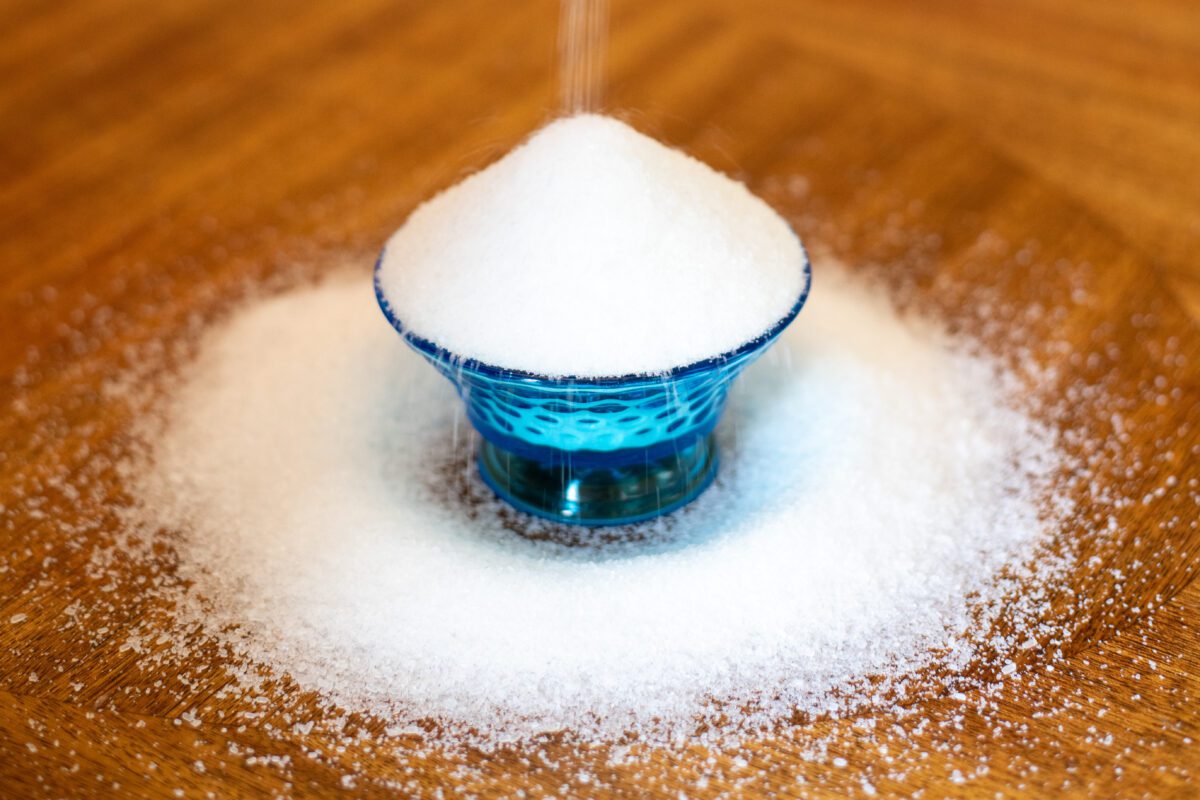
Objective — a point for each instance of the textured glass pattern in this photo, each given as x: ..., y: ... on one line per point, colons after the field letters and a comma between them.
x: 638, y: 442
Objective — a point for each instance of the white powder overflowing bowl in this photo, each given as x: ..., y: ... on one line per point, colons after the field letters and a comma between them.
x: 314, y: 478
x: 592, y: 250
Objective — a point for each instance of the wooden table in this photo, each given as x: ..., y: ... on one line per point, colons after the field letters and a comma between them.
x: 158, y: 158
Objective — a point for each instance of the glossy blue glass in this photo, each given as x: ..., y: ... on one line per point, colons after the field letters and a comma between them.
x: 595, y: 451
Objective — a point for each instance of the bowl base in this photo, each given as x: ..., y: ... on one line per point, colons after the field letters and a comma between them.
x: 621, y: 492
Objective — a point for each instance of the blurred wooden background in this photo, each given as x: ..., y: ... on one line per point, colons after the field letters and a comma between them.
x: 1101, y: 100
x: 156, y: 154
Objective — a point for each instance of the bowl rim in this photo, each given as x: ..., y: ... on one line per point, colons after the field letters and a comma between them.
x: 434, y: 351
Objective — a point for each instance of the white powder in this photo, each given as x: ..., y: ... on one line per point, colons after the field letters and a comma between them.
x: 316, y: 478
x: 593, y: 250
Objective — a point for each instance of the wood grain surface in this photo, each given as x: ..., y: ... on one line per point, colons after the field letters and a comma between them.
x: 159, y: 159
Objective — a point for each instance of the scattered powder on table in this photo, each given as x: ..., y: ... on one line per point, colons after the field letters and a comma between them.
x: 313, y: 476
x: 592, y: 250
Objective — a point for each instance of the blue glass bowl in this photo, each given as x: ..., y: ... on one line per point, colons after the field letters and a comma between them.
x: 595, y: 451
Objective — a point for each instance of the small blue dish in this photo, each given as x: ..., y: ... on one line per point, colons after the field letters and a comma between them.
x: 596, y: 451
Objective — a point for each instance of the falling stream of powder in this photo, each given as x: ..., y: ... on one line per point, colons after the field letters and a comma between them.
x: 314, y: 478
x: 582, y: 34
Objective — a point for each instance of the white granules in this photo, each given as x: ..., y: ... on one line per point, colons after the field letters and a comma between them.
x: 593, y: 250
x: 313, y: 476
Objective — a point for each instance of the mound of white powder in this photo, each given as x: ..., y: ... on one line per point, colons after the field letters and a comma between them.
x: 314, y: 477
x: 593, y: 250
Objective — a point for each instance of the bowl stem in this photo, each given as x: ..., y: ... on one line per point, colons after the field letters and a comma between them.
x: 583, y: 492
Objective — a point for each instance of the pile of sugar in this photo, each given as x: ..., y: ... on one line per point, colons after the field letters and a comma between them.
x: 593, y: 250
x: 313, y: 476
